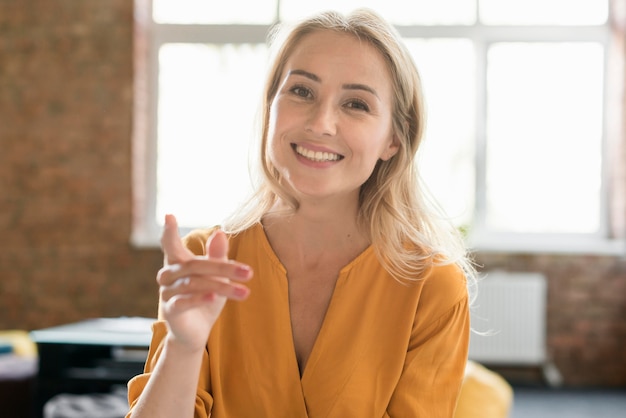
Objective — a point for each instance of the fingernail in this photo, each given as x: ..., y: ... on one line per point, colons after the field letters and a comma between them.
x: 174, y: 267
x: 243, y: 271
x: 242, y: 292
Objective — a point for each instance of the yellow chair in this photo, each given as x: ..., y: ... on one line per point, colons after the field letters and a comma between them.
x: 21, y: 342
x: 484, y: 394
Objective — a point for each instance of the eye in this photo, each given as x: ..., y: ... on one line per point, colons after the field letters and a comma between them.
x: 301, y: 91
x: 357, y: 104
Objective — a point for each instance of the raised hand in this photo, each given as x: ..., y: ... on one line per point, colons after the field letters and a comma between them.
x: 193, y: 289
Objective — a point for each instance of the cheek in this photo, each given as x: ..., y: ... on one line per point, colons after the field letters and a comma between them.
x: 282, y: 122
x: 271, y: 120
x: 271, y: 144
x: 275, y: 124
x: 380, y: 148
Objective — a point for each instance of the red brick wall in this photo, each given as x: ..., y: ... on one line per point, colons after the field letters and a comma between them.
x: 65, y: 171
x: 66, y: 114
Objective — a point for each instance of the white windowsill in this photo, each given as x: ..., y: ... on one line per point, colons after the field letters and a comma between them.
x: 149, y: 238
x: 548, y: 245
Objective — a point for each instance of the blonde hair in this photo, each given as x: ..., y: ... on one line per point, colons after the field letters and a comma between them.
x: 405, y: 230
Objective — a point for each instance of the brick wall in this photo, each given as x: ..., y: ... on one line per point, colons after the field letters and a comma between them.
x: 66, y: 86
x: 65, y: 192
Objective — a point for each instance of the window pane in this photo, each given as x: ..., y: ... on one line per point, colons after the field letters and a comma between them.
x: 400, y: 12
x: 207, y: 106
x: 544, y: 12
x: 223, y: 12
x: 544, y: 137
x: 446, y: 161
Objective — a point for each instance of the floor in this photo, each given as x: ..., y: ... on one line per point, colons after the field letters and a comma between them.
x: 535, y: 402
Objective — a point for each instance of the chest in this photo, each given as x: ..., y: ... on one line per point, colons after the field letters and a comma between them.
x: 310, y: 294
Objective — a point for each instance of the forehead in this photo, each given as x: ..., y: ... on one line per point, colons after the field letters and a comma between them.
x: 339, y: 55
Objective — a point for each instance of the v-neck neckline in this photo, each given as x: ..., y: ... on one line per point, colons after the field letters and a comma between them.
x: 317, y: 350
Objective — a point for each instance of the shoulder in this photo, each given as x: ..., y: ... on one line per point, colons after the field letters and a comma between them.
x: 444, y: 288
x: 445, y: 278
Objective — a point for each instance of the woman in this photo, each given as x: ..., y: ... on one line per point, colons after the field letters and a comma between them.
x: 359, y: 304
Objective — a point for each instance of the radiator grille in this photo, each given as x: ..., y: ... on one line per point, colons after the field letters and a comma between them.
x: 509, y: 319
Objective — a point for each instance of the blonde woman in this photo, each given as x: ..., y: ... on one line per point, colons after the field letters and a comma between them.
x: 336, y: 292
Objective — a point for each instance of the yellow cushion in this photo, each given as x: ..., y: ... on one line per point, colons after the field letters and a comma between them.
x: 20, y: 340
x: 484, y: 394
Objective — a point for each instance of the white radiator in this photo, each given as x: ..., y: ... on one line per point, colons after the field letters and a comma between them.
x: 509, y: 320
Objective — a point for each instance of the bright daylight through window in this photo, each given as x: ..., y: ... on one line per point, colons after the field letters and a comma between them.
x: 515, y: 91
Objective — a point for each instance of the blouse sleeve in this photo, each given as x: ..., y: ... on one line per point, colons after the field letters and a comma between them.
x: 204, y: 401
x: 136, y: 385
x: 437, y: 354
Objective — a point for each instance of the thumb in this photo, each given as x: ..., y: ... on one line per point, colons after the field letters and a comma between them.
x: 171, y: 242
x: 217, y: 245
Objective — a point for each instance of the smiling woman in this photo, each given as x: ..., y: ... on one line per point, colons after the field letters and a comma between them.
x: 337, y: 291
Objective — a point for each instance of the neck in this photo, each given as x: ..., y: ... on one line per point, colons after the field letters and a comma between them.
x: 315, y: 229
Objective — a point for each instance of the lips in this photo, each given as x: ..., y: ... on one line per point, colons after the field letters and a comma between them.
x: 316, y: 156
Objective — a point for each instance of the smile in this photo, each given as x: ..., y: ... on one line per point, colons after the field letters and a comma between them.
x: 317, y: 156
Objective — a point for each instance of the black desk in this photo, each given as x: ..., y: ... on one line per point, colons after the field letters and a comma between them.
x: 91, y: 356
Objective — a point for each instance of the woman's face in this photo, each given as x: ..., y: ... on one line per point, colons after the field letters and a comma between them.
x: 331, y: 121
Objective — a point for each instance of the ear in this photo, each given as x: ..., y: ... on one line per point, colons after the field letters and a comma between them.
x: 392, y: 148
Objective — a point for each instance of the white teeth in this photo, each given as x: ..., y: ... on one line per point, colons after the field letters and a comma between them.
x: 316, y: 156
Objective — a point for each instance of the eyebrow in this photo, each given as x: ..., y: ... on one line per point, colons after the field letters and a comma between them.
x: 350, y: 86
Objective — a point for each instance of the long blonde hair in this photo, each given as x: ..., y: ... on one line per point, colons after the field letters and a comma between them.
x: 405, y: 230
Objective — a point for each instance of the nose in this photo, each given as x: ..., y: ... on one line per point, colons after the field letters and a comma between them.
x: 322, y: 120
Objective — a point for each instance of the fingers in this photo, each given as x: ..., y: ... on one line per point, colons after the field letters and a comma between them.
x: 188, y: 279
x: 217, y: 246
x: 189, y: 301
x: 203, y: 277
x: 171, y: 242
x: 217, y: 249
x: 203, y: 290
x: 200, y: 267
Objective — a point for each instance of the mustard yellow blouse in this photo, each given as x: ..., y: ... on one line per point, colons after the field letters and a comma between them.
x: 386, y: 349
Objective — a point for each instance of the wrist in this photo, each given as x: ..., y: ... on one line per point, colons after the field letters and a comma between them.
x: 177, y: 346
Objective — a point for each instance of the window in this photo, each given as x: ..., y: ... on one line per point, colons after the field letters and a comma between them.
x: 515, y: 147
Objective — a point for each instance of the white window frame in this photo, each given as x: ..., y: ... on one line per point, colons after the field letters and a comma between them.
x: 146, y: 231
